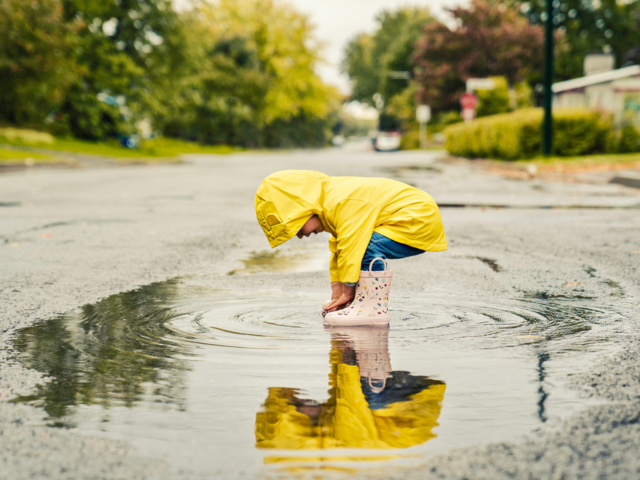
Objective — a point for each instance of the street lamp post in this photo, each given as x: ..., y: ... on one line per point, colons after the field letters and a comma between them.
x: 547, y: 145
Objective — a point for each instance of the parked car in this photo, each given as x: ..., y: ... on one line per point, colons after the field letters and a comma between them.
x: 387, y: 142
x: 337, y: 141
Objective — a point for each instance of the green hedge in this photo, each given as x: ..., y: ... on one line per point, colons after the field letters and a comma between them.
x: 518, y: 135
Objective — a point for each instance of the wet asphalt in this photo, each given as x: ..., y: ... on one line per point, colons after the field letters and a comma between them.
x: 71, y: 237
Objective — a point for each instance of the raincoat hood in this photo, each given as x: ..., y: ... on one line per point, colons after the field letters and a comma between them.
x: 286, y: 200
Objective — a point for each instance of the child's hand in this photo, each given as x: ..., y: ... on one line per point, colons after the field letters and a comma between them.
x: 348, y: 293
x: 336, y: 304
x: 336, y: 290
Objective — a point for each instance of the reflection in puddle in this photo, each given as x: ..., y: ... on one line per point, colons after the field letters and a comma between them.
x: 200, y: 378
x: 369, y: 405
x: 108, y: 354
x: 619, y: 291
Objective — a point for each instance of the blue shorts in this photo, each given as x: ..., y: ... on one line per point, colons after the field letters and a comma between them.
x: 383, y: 247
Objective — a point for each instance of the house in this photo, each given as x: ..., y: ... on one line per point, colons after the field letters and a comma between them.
x: 602, y: 88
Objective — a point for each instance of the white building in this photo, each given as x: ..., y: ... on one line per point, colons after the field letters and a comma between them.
x: 602, y: 88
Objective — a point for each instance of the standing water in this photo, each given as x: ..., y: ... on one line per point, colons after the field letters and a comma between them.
x: 232, y: 385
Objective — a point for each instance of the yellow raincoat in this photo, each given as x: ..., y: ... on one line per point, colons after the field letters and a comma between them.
x: 351, y: 209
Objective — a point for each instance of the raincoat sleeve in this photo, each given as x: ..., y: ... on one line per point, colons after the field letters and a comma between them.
x: 333, y: 263
x: 354, y: 221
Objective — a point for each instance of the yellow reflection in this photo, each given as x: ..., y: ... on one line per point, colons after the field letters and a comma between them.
x: 333, y: 458
x: 369, y: 405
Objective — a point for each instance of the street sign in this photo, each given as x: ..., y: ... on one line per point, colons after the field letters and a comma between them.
x: 423, y: 113
x: 400, y: 75
x: 468, y: 101
x: 480, y: 84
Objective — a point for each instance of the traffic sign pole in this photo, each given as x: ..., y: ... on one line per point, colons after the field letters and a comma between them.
x: 423, y: 115
x: 469, y: 103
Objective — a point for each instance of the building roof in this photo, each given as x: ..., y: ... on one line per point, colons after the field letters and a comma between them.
x: 596, y: 78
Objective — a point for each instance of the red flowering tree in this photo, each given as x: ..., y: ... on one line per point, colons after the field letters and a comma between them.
x: 489, y: 40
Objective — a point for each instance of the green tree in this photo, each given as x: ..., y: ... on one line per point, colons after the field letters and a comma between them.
x: 35, y: 69
x: 239, y: 72
x: 585, y: 26
x: 282, y: 39
x: 123, y: 48
x: 370, y: 59
x: 360, y: 66
x: 218, y: 91
x: 253, y: 82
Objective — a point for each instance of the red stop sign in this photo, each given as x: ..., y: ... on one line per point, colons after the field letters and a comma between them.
x: 468, y: 101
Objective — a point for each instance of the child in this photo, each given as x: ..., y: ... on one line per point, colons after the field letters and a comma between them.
x: 368, y: 218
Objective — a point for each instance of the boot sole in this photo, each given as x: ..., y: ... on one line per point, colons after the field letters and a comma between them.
x: 350, y: 322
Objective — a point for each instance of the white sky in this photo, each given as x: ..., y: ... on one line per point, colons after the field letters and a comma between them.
x: 338, y: 21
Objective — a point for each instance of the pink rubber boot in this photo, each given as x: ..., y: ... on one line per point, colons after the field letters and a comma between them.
x: 371, y: 303
x: 371, y: 345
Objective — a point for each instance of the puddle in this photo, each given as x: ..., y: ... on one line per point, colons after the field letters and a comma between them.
x: 410, y: 169
x: 238, y: 385
x: 170, y: 197
x: 626, y: 181
x: 293, y: 259
x: 619, y: 291
x: 543, y: 207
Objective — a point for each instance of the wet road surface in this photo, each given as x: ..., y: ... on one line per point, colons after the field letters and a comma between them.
x: 227, y: 368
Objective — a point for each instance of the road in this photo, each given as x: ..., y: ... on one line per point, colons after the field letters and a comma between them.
x: 71, y: 237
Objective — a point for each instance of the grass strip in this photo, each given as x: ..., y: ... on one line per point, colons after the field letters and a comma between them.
x: 146, y: 151
x: 172, y: 146
x: 20, y: 158
x: 585, y: 160
x: 20, y: 155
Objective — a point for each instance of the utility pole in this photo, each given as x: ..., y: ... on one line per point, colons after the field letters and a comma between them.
x: 547, y: 145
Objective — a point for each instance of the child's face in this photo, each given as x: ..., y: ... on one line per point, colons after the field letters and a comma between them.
x: 313, y: 225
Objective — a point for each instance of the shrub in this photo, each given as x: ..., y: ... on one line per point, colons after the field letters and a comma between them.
x: 410, y: 140
x: 518, y: 135
x: 22, y: 136
x: 629, y: 141
x: 444, y: 119
x: 524, y: 95
x: 494, y: 101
